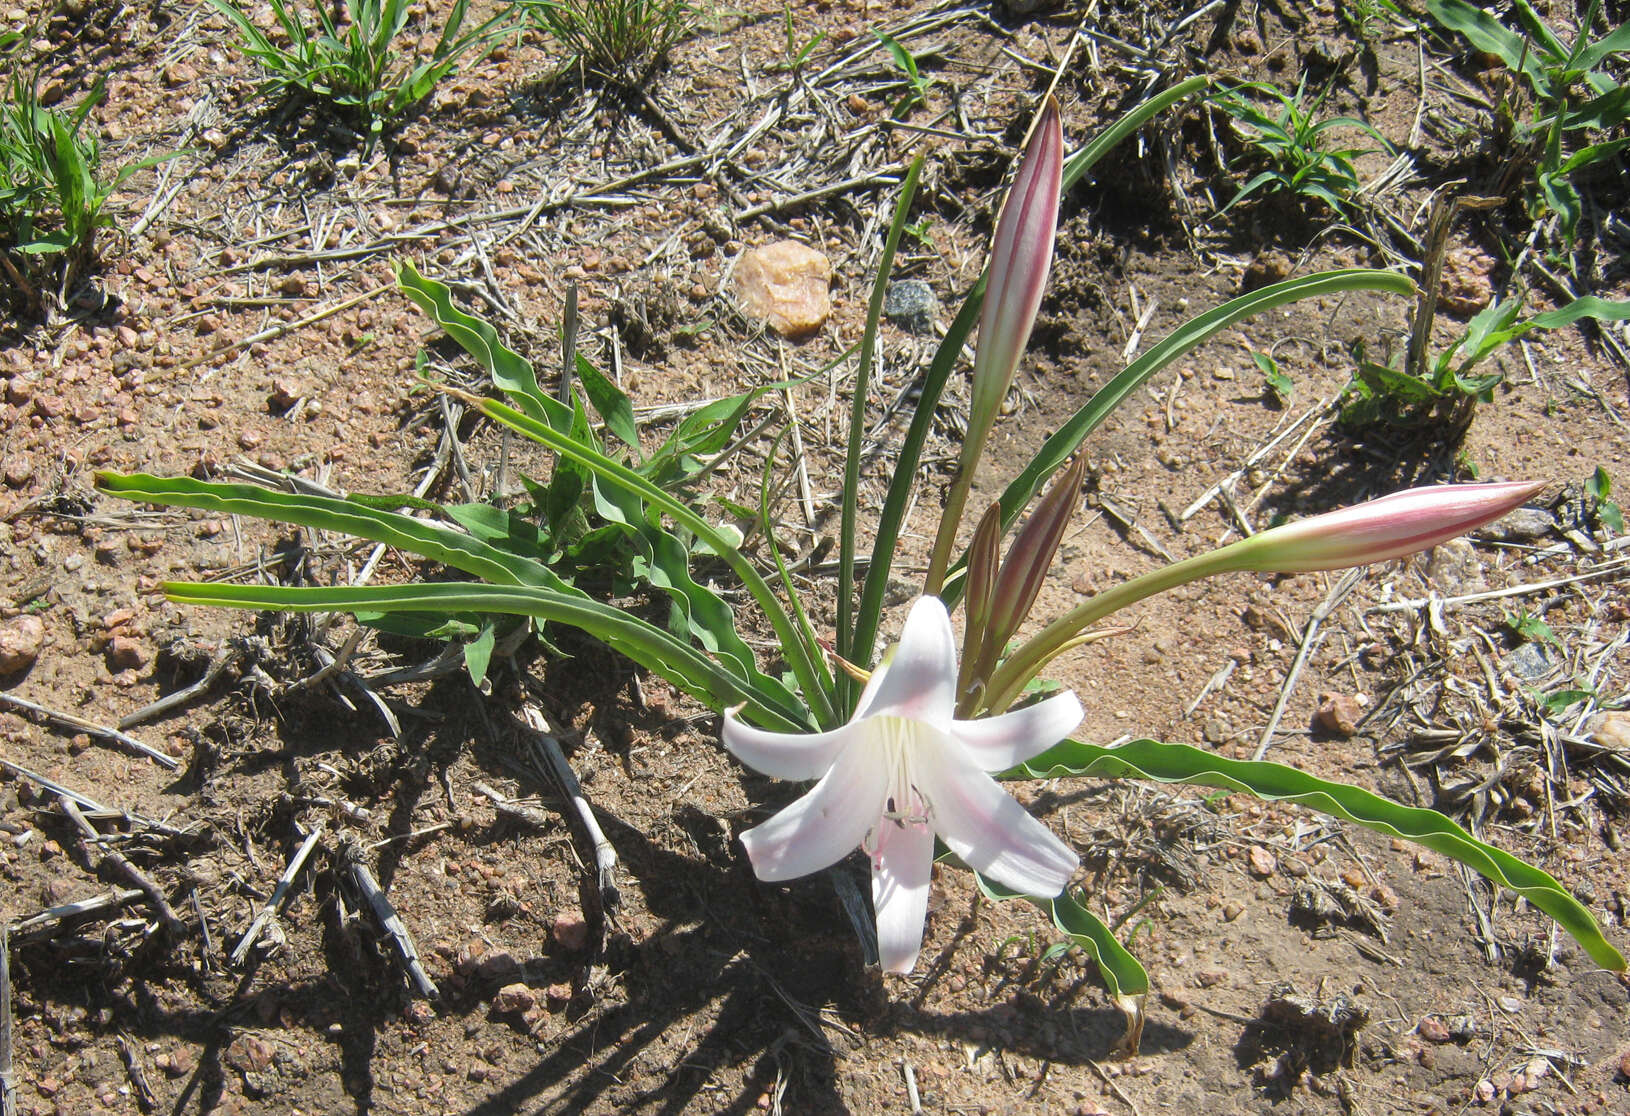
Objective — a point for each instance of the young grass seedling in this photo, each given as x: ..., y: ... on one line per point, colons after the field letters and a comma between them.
x: 353, y: 62
x: 619, y: 41
x: 53, y: 192
x: 1576, y: 94
x: 1292, y: 141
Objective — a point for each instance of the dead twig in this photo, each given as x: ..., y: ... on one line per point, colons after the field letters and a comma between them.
x: 8, y: 1087
x: 605, y: 857
x: 138, y: 1075
x: 284, y: 327
x: 135, y: 821
x: 1310, y: 639
x: 1410, y: 604
x: 43, y: 925
x: 279, y: 894
x: 90, y: 728
x: 385, y: 914
x: 217, y: 666
x: 156, y: 898
x: 513, y: 808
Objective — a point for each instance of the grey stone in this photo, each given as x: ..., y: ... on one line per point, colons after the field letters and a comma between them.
x: 911, y: 304
x: 1530, y: 662
x: 1522, y: 525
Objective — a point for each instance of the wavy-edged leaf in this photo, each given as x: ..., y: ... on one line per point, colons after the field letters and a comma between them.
x: 352, y: 517
x: 1123, y: 974
x: 699, y: 613
x: 658, y: 651
x: 510, y: 371
x: 615, y: 476
x: 1180, y: 763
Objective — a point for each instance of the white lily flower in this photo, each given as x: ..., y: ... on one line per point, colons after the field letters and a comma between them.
x: 902, y: 771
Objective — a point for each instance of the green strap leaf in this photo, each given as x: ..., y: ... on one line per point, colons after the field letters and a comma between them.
x: 1180, y: 341
x: 352, y: 517
x: 658, y: 651
x: 1180, y: 763
x: 848, y: 693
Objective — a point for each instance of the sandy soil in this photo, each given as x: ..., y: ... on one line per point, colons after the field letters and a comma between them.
x: 1298, y: 965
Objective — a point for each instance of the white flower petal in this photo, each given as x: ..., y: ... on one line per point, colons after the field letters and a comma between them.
x: 820, y: 828
x: 990, y: 831
x: 919, y: 682
x: 997, y: 743
x: 901, y: 868
x: 785, y: 755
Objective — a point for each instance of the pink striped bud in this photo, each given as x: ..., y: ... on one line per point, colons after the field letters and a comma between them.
x: 1021, y: 257
x: 1376, y: 530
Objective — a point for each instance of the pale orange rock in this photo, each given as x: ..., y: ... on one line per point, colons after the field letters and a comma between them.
x: 786, y: 285
x: 1611, y: 730
x: 20, y: 641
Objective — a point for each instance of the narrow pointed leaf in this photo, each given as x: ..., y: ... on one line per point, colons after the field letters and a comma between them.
x: 428, y: 540
x: 1181, y: 341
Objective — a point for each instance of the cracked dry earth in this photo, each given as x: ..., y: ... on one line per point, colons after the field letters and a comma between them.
x: 246, y: 325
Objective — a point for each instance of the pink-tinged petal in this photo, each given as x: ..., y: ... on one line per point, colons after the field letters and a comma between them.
x: 901, y: 867
x: 990, y: 831
x: 784, y: 755
x: 1390, y: 527
x: 998, y: 743
x: 919, y: 682
x: 821, y: 828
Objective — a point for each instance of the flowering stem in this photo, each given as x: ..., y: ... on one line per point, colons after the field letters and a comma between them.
x: 1009, y: 679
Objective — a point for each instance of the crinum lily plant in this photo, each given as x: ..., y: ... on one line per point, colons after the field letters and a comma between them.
x: 913, y: 755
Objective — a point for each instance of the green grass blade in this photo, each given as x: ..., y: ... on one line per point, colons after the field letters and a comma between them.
x: 1180, y: 763
x: 905, y: 472
x: 1082, y: 161
x: 767, y: 523
x: 658, y: 651
x: 1182, y: 340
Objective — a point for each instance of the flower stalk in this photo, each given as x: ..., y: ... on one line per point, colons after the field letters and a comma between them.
x: 1375, y: 531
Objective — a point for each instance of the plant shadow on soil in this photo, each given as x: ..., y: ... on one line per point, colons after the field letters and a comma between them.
x: 759, y: 962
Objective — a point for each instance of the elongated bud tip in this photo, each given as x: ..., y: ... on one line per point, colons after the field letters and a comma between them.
x: 1374, y: 531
